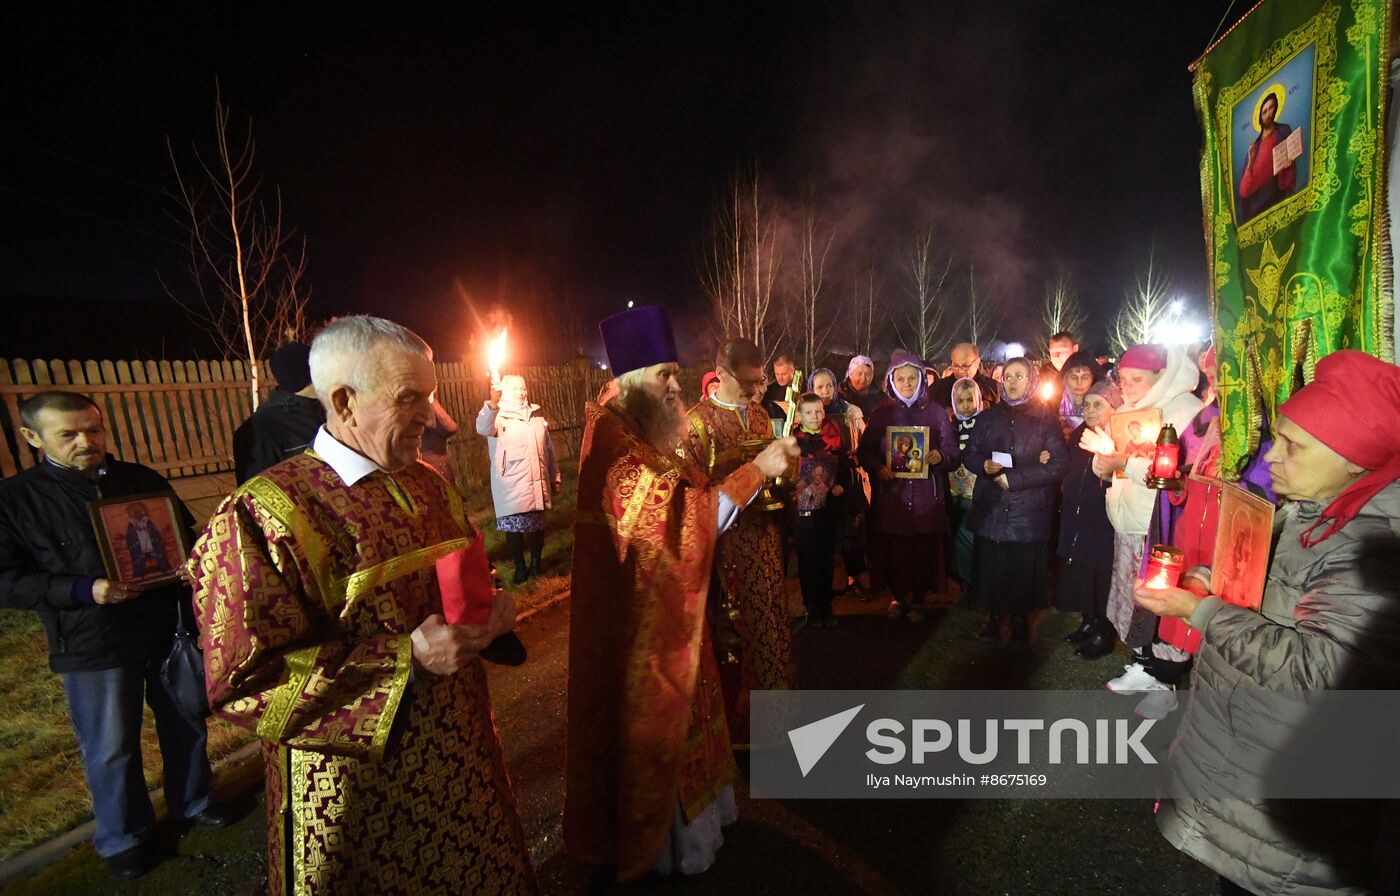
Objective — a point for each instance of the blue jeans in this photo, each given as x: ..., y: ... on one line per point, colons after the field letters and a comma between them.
x: 105, y: 707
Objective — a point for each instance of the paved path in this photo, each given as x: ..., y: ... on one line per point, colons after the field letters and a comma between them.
x: 868, y: 846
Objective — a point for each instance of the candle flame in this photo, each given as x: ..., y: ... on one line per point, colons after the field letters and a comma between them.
x: 495, y: 354
x: 1047, y: 391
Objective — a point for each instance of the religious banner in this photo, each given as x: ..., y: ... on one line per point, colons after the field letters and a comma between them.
x: 1292, y: 102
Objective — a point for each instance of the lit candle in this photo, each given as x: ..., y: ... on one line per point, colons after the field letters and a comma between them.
x: 1163, y: 567
x: 495, y: 355
x: 1165, y: 459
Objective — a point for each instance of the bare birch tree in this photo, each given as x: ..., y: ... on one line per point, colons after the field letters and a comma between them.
x: 927, y: 336
x: 244, y: 263
x: 1146, y: 308
x: 1061, y: 312
x: 815, y: 322
x: 864, y: 301
x: 982, y: 320
x: 739, y: 261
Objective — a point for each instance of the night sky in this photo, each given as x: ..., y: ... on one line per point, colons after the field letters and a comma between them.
x: 540, y: 161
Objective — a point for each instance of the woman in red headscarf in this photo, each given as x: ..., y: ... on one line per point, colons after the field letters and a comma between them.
x: 1330, y: 619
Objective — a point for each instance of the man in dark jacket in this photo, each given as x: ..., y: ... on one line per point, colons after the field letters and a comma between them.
x: 966, y: 362
x: 286, y: 422
x: 105, y: 638
x: 775, y: 396
x: 1061, y: 347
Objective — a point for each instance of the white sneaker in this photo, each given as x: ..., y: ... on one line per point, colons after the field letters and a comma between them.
x: 1157, y: 704
x: 1134, y: 679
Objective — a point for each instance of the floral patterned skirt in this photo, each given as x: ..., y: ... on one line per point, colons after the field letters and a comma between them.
x: 529, y: 521
x: 1135, y: 625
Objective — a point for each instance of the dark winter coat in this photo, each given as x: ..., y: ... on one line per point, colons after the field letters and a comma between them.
x: 1023, y: 512
x: 1330, y: 619
x: 49, y: 558
x: 774, y: 394
x: 867, y: 401
x: 283, y: 425
x: 908, y: 506
x: 1086, y: 536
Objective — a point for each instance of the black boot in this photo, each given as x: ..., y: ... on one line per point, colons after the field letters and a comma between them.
x: 1081, y: 634
x: 1097, y: 645
x: 534, y: 543
x: 515, y: 543
x: 1020, y: 630
x: 991, y: 631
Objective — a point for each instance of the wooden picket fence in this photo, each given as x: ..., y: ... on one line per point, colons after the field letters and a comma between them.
x: 178, y: 417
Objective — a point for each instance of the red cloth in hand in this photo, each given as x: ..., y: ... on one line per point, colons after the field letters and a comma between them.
x: 464, y: 579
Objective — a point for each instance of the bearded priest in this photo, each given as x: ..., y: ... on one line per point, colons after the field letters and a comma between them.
x: 649, y: 769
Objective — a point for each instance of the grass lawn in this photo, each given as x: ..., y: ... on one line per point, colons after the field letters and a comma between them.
x: 42, y: 791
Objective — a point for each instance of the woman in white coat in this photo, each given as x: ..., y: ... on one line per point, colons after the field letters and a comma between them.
x: 524, y: 473
x: 1150, y: 376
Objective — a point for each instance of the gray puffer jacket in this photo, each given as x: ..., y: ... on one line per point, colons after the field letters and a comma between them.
x: 1330, y: 619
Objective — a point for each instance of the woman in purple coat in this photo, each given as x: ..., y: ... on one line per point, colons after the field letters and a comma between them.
x: 908, y: 474
x: 1013, y: 502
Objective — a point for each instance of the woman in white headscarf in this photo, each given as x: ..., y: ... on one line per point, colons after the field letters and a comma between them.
x: 524, y: 473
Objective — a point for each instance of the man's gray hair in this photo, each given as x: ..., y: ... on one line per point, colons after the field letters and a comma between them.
x: 340, y: 353
x: 631, y: 381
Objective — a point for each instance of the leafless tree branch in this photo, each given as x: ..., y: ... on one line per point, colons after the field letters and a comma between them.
x: 245, y: 266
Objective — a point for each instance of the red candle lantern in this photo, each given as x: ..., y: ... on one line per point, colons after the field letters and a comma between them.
x: 1165, y: 460
x: 1163, y: 567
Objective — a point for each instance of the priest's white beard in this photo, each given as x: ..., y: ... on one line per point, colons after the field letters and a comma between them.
x: 661, y: 420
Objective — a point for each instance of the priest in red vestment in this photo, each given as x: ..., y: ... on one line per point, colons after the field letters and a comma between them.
x: 649, y: 769
x: 755, y: 638
x: 323, y: 632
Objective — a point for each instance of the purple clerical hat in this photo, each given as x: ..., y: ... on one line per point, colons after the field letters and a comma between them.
x: 637, y: 338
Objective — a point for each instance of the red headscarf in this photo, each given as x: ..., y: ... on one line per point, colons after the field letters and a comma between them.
x: 1351, y: 387
x: 711, y: 377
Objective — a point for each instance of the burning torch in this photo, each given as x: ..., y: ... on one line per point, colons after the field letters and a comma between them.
x: 495, y: 354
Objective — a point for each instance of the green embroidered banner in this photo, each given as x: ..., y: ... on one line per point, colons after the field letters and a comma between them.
x: 1292, y: 101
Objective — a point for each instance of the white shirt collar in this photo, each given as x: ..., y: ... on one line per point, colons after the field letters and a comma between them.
x: 724, y: 404
x: 350, y: 465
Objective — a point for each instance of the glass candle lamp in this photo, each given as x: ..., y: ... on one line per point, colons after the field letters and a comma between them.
x: 1165, y: 460
x: 1163, y: 567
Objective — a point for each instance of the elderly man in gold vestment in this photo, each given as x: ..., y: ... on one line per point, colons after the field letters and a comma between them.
x: 323, y: 631
x: 754, y: 636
